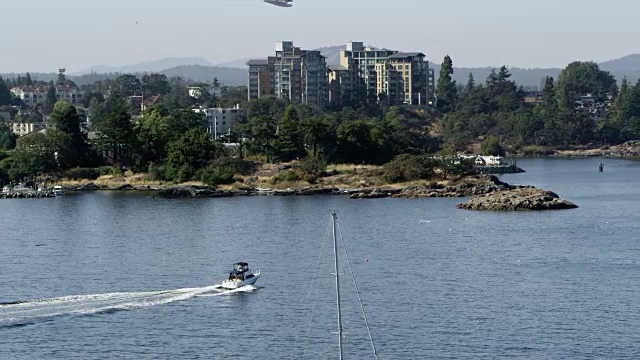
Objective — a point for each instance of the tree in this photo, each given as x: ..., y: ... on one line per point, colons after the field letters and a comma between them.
x: 7, y: 138
x: 582, y: 78
x: 157, y: 128
x: 317, y: 134
x: 492, y: 146
x: 502, y: 94
x: 155, y: 84
x: 66, y: 120
x: 190, y: 153
x: 357, y: 143
x: 125, y: 86
x: 62, y: 79
x: 51, y: 99
x: 178, y: 96
x: 446, y: 89
x: 39, y: 153
x: 116, y: 134
x: 289, y: 144
x: 28, y: 81
x: 5, y: 94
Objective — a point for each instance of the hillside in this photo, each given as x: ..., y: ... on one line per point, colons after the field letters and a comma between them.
x: 147, y: 66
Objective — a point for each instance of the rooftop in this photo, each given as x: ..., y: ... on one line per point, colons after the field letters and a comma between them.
x: 404, y: 55
x: 337, y: 67
x: 258, y: 62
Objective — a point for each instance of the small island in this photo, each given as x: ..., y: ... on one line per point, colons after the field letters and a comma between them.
x: 518, y: 199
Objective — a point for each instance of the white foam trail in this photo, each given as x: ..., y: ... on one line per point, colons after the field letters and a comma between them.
x: 31, y: 311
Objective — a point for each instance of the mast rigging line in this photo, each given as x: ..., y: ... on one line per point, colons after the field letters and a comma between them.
x: 313, y: 282
x: 353, y: 277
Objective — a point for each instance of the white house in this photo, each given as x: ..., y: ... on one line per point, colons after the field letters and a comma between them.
x: 490, y: 160
x: 220, y: 121
x: 22, y: 129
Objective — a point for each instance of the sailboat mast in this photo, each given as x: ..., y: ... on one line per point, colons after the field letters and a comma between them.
x: 334, y: 216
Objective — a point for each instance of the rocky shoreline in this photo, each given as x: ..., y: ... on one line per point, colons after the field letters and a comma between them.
x: 630, y: 149
x: 487, y: 192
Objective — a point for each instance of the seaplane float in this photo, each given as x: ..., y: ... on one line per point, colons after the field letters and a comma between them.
x: 240, y: 276
x: 281, y: 3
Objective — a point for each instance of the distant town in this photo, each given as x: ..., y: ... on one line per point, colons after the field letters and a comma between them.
x: 370, y: 107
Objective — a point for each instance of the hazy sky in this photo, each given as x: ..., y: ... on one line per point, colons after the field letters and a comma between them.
x: 42, y: 35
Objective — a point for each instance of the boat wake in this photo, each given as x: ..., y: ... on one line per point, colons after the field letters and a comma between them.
x: 27, y: 312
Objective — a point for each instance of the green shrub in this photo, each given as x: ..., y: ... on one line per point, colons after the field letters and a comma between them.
x: 312, y: 168
x: 156, y: 172
x: 236, y: 165
x: 215, y: 175
x: 492, y: 146
x: 109, y: 170
x: 288, y: 176
x: 79, y: 173
x: 407, y: 167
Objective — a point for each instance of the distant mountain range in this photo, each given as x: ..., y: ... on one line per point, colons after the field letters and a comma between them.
x: 148, y: 66
x: 234, y: 73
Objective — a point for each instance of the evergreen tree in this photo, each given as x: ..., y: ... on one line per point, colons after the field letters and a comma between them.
x: 502, y: 93
x: 5, y: 94
x: 66, y: 120
x: 116, y: 134
x: 446, y: 89
x: 62, y: 79
x: 51, y: 99
x: 289, y: 143
x: 28, y: 80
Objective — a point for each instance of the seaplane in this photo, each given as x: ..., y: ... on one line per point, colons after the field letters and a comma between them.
x: 281, y: 3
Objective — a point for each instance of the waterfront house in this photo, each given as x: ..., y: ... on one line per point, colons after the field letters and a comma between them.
x: 490, y: 161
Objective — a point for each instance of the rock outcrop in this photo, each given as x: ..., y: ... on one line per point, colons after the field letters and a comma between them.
x: 518, y: 199
x: 469, y: 187
x: 191, y: 191
x: 630, y: 149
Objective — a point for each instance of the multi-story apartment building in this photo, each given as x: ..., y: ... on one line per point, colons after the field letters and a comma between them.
x: 294, y: 74
x: 363, y: 73
x: 342, y: 83
x: 403, y: 78
x: 220, y: 121
x: 33, y: 96
x: 260, y: 79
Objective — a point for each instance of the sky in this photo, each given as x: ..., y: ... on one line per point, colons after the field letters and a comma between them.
x: 43, y: 35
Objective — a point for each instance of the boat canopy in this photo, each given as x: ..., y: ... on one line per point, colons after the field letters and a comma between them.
x: 241, y: 267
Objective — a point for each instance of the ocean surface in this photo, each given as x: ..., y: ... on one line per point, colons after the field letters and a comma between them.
x: 124, y: 276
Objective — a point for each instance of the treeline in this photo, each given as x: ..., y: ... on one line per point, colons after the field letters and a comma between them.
x: 170, y: 141
x: 496, y: 108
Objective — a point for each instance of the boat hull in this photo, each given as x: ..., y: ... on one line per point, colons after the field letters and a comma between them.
x: 232, y: 285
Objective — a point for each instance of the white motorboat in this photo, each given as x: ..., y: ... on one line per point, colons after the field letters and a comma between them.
x: 58, y: 190
x: 240, y: 276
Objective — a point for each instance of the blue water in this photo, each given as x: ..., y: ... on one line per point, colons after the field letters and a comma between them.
x: 437, y: 282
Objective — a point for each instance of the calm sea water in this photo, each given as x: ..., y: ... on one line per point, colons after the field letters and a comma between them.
x: 124, y: 276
